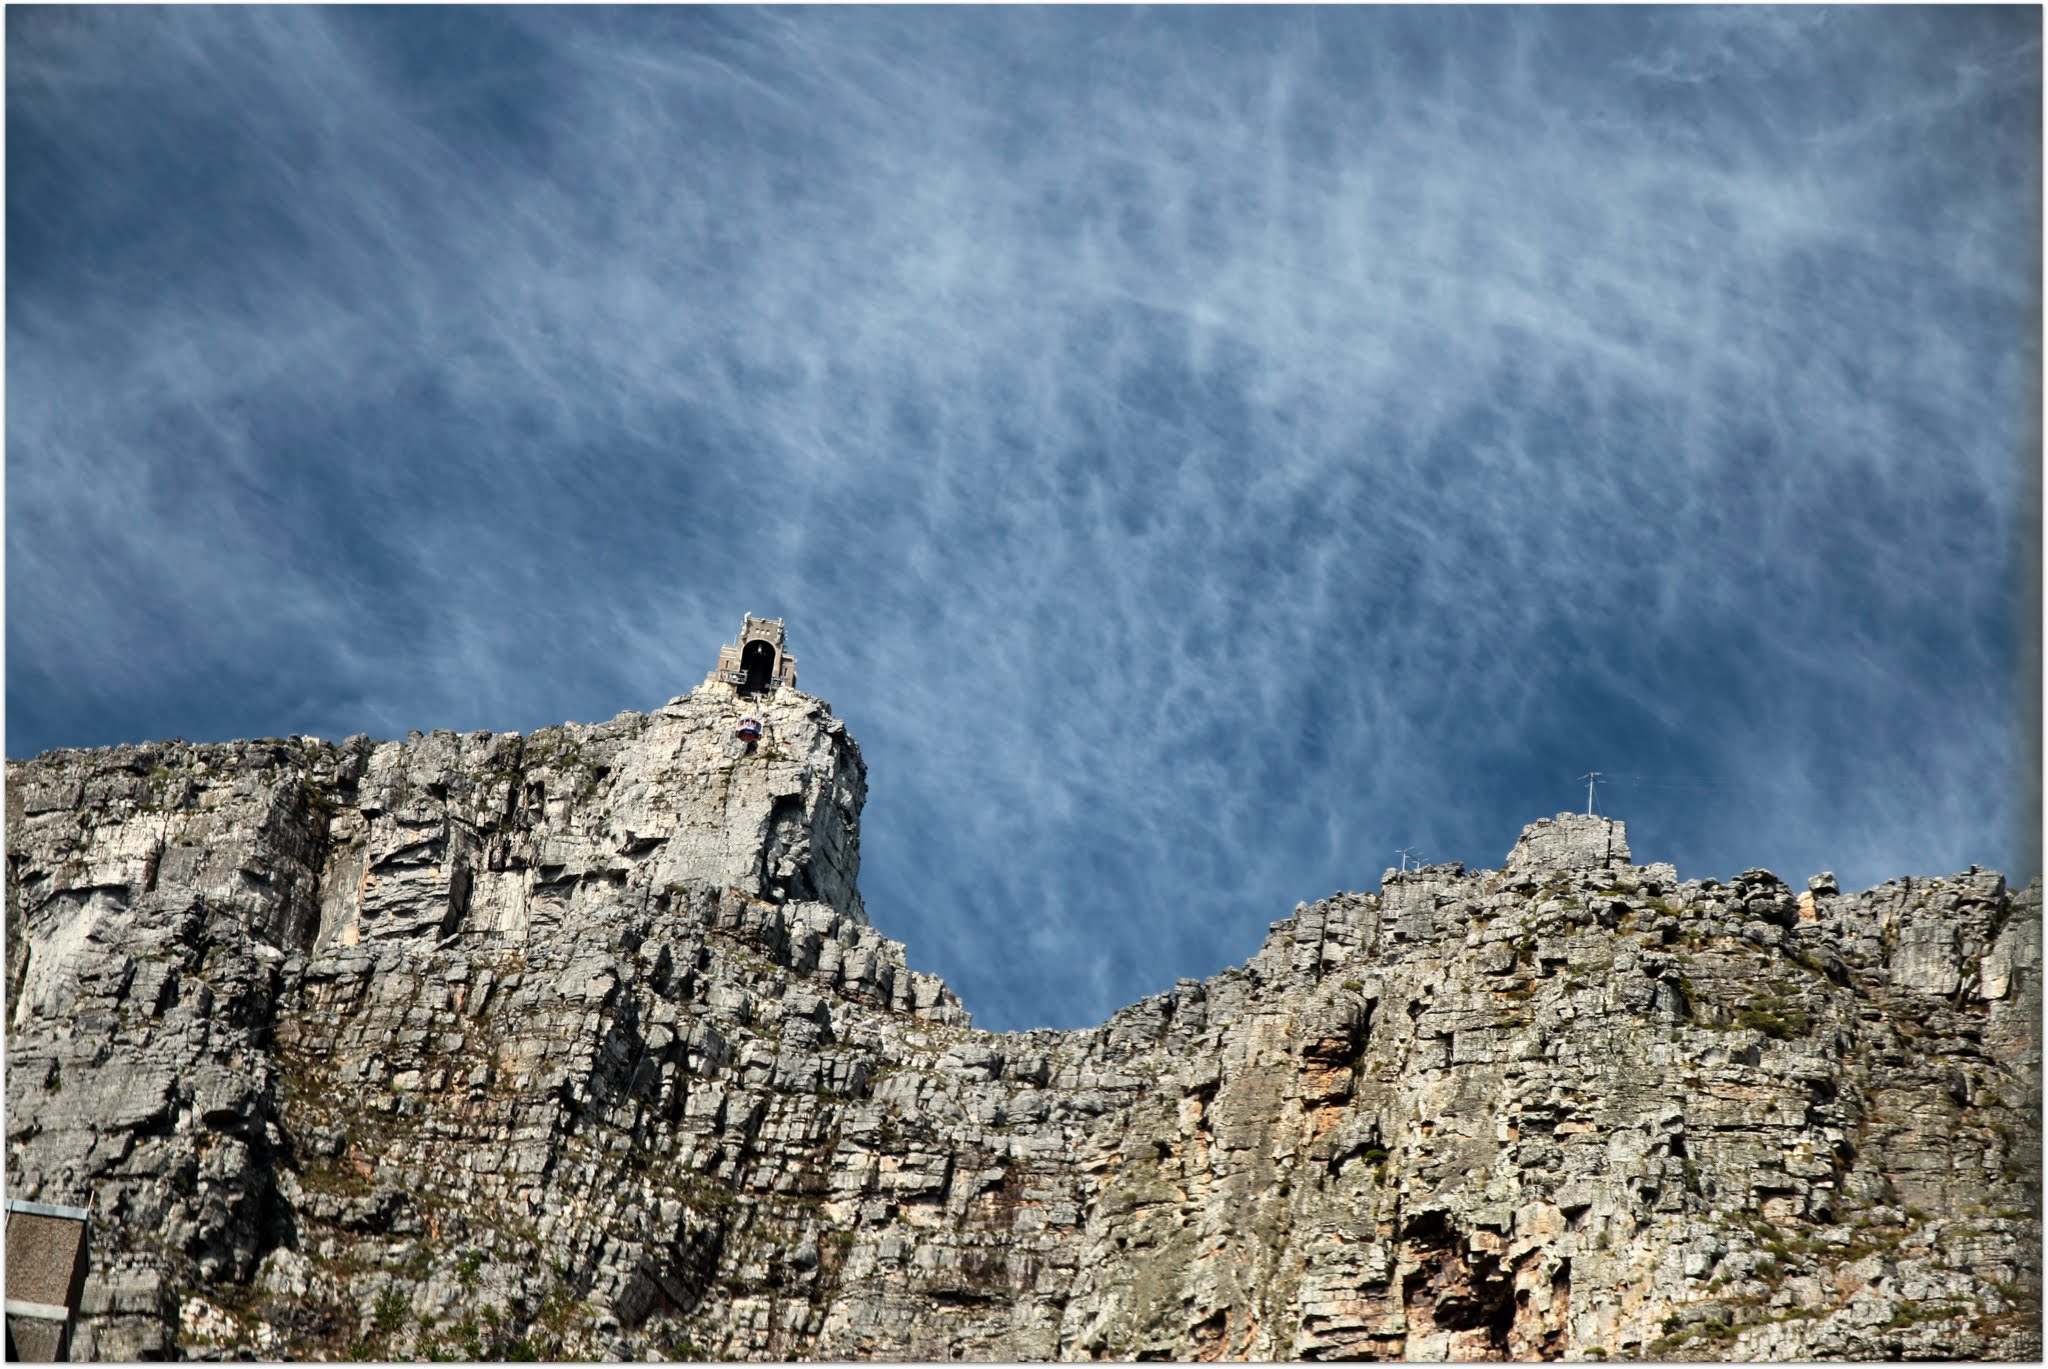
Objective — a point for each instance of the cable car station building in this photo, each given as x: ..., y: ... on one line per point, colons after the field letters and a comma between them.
x: 756, y: 663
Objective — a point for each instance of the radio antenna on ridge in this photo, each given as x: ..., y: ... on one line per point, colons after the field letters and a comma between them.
x: 1407, y: 854
x: 1589, y: 777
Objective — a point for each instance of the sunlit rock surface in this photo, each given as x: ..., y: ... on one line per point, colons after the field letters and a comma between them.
x: 581, y: 1044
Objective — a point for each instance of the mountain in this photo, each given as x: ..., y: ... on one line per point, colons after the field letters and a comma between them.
x: 581, y: 1044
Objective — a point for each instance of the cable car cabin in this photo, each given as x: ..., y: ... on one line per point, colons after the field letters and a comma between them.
x: 757, y: 666
x: 750, y: 729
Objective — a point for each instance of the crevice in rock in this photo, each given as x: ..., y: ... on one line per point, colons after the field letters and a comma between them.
x: 1456, y: 1287
x: 459, y: 882
x: 785, y: 854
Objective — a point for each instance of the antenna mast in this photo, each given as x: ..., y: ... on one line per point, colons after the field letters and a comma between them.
x: 1589, y: 777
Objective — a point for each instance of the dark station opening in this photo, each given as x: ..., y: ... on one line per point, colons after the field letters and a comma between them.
x: 757, y: 665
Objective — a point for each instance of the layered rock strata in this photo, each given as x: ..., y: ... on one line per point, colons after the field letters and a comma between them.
x: 581, y: 1044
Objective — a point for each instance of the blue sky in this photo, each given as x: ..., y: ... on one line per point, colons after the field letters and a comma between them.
x: 1199, y: 452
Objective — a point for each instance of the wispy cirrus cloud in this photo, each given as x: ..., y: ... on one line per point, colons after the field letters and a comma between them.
x: 1198, y: 451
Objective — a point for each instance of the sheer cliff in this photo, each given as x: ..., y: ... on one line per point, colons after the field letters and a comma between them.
x: 581, y: 1044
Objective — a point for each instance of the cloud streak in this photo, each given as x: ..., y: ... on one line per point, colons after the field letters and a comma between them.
x: 1198, y: 452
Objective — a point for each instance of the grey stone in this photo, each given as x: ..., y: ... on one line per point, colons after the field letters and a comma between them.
x: 590, y: 1028
x: 1569, y: 841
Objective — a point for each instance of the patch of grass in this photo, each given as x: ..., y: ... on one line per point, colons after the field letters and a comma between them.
x: 1775, y: 1016
x: 468, y: 1338
x: 391, y: 1310
x: 1677, y: 1334
x: 1807, y: 961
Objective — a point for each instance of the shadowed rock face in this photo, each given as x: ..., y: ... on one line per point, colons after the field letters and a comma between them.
x: 581, y: 1044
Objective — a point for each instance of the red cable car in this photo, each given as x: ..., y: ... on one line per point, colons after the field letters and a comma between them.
x: 750, y: 729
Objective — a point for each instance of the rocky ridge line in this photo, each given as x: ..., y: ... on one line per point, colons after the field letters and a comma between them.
x: 590, y: 1031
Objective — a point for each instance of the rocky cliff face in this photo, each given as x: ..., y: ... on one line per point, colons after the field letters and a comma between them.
x: 580, y: 1044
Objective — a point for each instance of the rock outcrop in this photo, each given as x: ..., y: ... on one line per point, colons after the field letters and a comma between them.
x: 581, y: 1044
